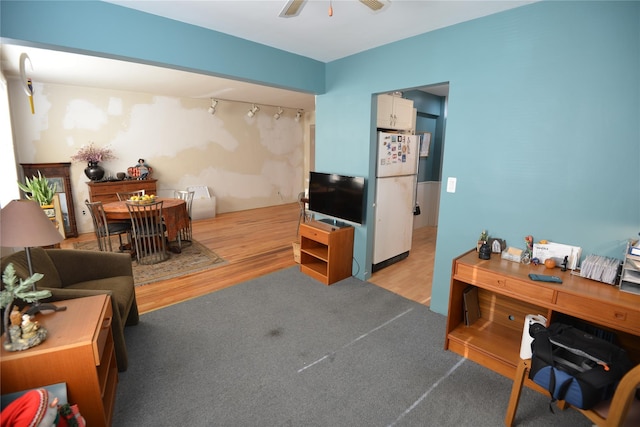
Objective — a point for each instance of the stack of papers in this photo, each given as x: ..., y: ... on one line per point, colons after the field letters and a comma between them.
x: 600, y: 268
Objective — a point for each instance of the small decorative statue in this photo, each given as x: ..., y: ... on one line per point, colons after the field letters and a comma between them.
x: 143, y: 169
x: 484, y: 237
x: 29, y: 327
x: 527, y: 253
x: 25, y: 333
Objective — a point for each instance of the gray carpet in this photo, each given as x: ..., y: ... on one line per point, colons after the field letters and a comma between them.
x: 285, y: 350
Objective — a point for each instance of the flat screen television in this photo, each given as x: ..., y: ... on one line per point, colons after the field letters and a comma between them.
x: 338, y: 196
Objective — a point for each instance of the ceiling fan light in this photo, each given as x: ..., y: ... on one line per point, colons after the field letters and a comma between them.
x: 374, y: 5
x: 292, y: 8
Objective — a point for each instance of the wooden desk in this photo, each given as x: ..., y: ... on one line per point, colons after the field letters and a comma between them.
x: 174, y: 212
x: 78, y: 350
x: 507, y: 295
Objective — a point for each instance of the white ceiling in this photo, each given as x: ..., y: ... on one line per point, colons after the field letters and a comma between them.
x: 353, y: 28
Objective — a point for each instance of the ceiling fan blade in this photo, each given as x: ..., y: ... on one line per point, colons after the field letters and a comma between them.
x: 292, y: 8
x: 374, y: 5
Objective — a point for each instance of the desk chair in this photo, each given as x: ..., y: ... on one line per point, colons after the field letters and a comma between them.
x: 126, y: 195
x: 621, y: 411
x: 104, y: 230
x: 186, y: 234
x: 148, y: 231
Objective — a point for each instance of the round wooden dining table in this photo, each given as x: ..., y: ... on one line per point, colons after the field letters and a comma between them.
x: 174, y: 213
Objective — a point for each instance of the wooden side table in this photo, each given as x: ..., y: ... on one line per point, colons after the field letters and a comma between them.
x: 326, y: 251
x: 78, y: 350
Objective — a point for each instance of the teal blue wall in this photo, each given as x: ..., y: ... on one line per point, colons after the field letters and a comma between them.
x: 430, y: 118
x: 542, y: 130
x: 116, y: 32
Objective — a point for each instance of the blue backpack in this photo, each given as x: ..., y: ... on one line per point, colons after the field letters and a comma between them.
x: 575, y: 366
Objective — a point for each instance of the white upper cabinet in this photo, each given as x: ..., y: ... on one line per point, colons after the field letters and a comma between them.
x: 395, y: 113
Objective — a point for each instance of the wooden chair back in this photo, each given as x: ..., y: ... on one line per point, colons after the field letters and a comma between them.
x: 104, y: 229
x: 148, y: 232
x: 186, y: 234
x: 126, y: 195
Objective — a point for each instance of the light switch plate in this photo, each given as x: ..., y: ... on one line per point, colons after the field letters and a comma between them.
x: 451, y: 184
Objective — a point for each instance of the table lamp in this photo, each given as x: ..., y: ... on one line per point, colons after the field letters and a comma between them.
x: 23, y: 223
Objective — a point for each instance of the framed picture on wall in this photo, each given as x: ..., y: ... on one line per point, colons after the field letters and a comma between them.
x: 425, y: 142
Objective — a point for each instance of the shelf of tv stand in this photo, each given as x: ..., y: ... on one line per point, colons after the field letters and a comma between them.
x: 506, y: 295
x: 326, y: 251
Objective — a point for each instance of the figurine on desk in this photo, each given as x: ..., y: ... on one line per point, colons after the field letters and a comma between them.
x: 143, y: 169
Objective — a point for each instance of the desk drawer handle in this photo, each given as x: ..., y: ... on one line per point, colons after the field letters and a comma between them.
x: 620, y: 315
x: 106, y: 323
x: 501, y: 283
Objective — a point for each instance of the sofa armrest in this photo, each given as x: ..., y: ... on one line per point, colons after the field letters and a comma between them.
x: 76, y: 266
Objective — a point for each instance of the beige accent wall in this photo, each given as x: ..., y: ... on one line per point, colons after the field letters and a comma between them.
x: 245, y: 162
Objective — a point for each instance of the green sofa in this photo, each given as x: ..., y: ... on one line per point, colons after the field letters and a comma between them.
x: 70, y: 273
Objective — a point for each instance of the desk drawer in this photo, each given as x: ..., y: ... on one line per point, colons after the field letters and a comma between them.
x: 314, y: 234
x: 504, y: 285
x: 606, y: 314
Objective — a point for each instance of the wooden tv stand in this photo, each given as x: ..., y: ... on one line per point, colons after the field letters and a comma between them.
x: 507, y: 295
x: 326, y: 251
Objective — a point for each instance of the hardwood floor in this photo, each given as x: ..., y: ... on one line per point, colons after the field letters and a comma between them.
x: 257, y: 242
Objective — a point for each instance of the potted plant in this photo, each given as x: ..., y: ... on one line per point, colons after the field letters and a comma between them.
x: 93, y: 155
x: 39, y: 189
x: 23, y: 289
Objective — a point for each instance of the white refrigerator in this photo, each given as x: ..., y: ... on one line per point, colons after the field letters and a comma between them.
x: 396, y: 180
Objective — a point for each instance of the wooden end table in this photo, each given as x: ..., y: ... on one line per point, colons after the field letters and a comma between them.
x: 78, y: 350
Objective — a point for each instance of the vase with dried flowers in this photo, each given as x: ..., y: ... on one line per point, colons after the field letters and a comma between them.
x: 93, y: 155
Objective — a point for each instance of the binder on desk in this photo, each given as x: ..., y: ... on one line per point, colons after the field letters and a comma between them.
x: 471, y: 305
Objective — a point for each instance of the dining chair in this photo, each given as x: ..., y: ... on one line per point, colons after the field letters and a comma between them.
x: 148, y: 231
x: 185, y: 234
x: 622, y: 410
x: 126, y: 195
x: 105, y: 229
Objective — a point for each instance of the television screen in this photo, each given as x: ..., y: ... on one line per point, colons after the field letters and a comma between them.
x: 339, y: 196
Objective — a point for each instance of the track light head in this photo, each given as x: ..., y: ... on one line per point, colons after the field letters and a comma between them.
x: 298, y: 115
x: 253, y: 110
x: 212, y: 109
x: 278, y: 114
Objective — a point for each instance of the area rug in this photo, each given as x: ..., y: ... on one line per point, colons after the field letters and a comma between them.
x: 287, y: 350
x: 193, y: 258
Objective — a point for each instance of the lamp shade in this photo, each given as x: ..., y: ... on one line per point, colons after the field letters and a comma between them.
x: 23, y: 223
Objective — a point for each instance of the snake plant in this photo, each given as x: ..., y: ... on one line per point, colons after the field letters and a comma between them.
x: 39, y: 189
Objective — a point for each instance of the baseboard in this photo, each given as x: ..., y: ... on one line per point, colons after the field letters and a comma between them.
x: 379, y: 266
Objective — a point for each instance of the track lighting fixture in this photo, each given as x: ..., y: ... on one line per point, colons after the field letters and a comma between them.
x: 278, y: 114
x: 298, y: 115
x: 253, y: 110
x: 212, y: 109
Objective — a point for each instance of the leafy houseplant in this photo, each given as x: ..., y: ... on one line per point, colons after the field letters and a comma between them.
x: 39, y: 189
